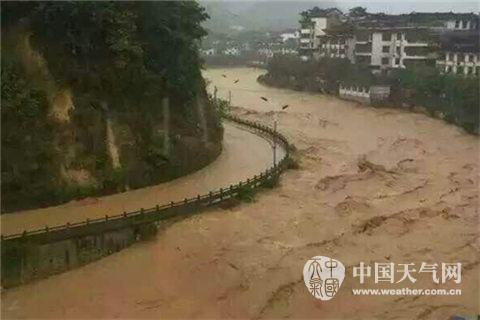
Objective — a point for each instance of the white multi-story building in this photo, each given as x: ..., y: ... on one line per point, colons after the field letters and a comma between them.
x: 231, y: 51
x: 465, y: 63
x: 386, y: 42
x: 208, y: 52
x: 459, y: 52
x: 462, y: 23
x: 387, y: 48
x: 295, y: 35
x: 310, y: 34
x: 336, y: 46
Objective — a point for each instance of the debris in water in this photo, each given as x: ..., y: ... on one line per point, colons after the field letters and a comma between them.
x: 264, y: 99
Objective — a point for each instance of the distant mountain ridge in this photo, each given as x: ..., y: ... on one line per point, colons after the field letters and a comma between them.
x: 231, y: 16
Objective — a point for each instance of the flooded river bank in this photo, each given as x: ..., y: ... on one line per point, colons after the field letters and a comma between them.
x: 233, y: 160
x: 375, y: 185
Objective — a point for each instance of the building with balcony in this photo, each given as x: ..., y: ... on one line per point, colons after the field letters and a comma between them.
x: 309, y: 36
x: 208, y: 52
x: 290, y: 35
x: 467, y: 64
x: 337, y: 47
x: 386, y: 42
x: 314, y: 24
x: 337, y: 41
x: 233, y: 51
x: 462, y: 22
x: 459, y: 53
x: 392, y: 48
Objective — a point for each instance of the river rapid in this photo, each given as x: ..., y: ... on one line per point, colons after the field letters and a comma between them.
x: 374, y: 185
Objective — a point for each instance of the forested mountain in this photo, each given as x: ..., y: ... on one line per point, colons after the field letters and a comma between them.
x: 100, y: 97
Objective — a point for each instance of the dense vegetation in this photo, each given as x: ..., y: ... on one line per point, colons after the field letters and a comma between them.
x: 452, y: 97
x: 26, y: 136
x: 314, y: 75
x: 119, y: 60
x: 90, y: 45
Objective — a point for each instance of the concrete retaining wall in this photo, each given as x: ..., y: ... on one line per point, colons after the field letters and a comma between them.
x: 357, y: 93
x: 25, y: 260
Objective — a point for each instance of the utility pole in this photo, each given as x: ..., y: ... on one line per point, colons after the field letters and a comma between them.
x: 275, y: 143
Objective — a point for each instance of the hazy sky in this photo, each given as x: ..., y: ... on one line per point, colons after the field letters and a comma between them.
x: 406, y: 6
x: 394, y: 6
x: 284, y: 14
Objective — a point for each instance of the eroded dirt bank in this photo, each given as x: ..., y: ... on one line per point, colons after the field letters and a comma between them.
x: 374, y: 186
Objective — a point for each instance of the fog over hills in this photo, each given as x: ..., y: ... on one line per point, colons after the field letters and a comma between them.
x: 231, y: 16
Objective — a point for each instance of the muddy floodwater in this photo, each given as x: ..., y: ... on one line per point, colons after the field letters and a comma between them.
x: 374, y: 185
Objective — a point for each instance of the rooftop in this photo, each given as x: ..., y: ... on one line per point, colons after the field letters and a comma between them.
x: 428, y: 19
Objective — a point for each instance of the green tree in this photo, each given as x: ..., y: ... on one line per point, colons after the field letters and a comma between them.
x: 118, y: 58
x: 357, y: 12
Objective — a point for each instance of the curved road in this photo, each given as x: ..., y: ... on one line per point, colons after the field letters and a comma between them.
x: 244, y: 155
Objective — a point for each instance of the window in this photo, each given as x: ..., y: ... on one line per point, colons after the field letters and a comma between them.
x: 477, y: 71
x: 362, y: 60
x: 457, y: 24
x: 362, y: 35
x: 384, y: 61
x: 386, y: 49
x: 472, y: 58
x: 397, y: 61
x: 386, y: 36
x: 363, y: 48
x: 461, y: 57
x: 448, y: 69
x: 464, y: 24
x: 459, y: 70
x: 469, y: 70
x: 399, y: 36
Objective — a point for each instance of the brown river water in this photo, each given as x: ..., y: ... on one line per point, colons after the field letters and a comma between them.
x: 374, y: 185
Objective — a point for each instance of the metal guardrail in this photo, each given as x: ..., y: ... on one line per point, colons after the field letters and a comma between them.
x: 115, y: 222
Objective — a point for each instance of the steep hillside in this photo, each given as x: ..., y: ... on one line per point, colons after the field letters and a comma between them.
x: 101, y: 97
